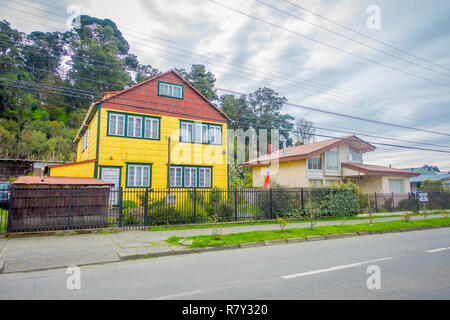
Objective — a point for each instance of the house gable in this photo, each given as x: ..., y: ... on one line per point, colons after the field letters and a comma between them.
x: 147, y: 98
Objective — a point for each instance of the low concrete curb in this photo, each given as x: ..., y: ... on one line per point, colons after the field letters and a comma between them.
x: 274, y: 242
x: 266, y: 243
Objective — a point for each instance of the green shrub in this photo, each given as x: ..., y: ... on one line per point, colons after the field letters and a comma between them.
x: 344, y: 200
x: 128, y: 204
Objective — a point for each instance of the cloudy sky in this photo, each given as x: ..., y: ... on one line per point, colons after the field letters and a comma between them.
x: 323, y: 54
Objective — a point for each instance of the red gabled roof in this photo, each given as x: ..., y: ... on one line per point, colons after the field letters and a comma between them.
x: 60, y: 181
x: 378, y: 170
x: 159, y: 76
x: 309, y: 150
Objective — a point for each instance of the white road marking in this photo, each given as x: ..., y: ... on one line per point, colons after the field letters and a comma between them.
x: 178, y: 295
x: 437, y: 250
x: 353, y: 265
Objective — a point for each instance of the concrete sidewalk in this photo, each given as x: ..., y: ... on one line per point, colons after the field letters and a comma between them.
x: 40, y: 253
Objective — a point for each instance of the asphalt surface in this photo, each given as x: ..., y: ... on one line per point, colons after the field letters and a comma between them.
x: 413, y: 265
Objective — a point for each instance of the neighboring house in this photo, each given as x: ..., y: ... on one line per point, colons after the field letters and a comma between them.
x: 324, y: 163
x: 124, y: 138
x: 417, y: 181
x: 14, y: 168
x: 422, y: 171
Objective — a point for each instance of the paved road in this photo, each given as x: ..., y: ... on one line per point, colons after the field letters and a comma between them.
x: 38, y: 253
x: 414, y: 265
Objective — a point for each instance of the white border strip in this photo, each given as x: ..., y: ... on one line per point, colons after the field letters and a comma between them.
x: 353, y: 265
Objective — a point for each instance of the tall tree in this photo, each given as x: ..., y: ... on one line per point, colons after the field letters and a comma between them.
x: 266, y: 105
x: 202, y: 80
x: 304, y: 131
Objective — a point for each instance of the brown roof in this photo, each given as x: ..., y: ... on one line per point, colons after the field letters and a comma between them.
x: 379, y: 170
x: 310, y: 150
x: 25, y: 180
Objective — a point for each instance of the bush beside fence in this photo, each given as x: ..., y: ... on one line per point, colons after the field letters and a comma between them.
x: 136, y: 208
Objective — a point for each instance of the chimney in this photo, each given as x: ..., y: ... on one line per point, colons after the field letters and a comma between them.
x: 269, y: 149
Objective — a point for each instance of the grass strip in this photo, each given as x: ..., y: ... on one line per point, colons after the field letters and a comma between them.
x: 258, y: 236
x: 254, y: 223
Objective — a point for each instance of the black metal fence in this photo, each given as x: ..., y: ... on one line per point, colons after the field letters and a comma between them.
x: 68, y: 208
x: 398, y: 202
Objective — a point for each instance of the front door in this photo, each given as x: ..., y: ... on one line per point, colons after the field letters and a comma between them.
x: 112, y: 175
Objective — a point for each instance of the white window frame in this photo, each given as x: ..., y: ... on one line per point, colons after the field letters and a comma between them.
x: 169, y: 90
x: 336, y: 150
x: 116, y: 127
x: 133, y: 181
x: 216, y: 133
x: 191, y: 174
x: 153, y: 123
x: 184, y: 131
x: 135, y: 132
x: 320, y: 162
x: 352, y: 151
x: 397, y: 181
x: 176, y: 182
x: 202, y: 172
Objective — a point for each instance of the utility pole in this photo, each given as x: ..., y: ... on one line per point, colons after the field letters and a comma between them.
x: 168, y: 168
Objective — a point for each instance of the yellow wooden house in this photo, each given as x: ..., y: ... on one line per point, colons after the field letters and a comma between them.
x: 125, y: 138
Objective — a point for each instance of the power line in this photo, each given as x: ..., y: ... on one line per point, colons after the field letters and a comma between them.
x: 238, y: 66
x: 366, y: 36
x: 349, y: 38
x: 291, y: 131
x: 348, y: 116
x: 328, y: 45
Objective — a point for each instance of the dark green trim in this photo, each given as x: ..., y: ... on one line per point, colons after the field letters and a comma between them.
x: 194, y: 132
x: 99, y: 117
x: 139, y: 164
x: 114, y: 167
x: 198, y: 175
x: 125, y: 129
x: 173, y: 84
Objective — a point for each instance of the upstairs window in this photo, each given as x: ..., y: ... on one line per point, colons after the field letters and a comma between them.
x: 134, y: 127
x: 170, y: 90
x: 186, y: 134
x: 315, y: 163
x: 151, y: 130
x: 116, y: 124
x: 354, y: 155
x: 332, y: 160
x: 203, y: 133
x: 215, y: 135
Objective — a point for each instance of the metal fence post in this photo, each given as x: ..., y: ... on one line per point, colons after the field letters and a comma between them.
x: 271, y: 203
x: 195, y: 205
x: 10, y: 209
x: 146, y: 208
x: 417, y: 202
x: 429, y: 199
x: 120, y: 206
x: 376, y: 203
x: 68, y: 209
x: 235, y: 205
x: 409, y: 201
x: 393, y: 202
x: 303, y: 200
